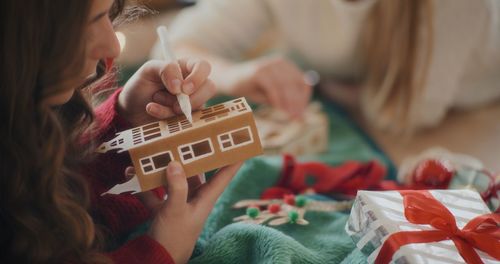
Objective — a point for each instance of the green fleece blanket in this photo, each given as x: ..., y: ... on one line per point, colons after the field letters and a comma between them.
x: 322, y: 241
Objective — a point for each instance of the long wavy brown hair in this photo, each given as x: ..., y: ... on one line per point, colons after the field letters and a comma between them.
x: 44, y: 201
x: 398, y: 45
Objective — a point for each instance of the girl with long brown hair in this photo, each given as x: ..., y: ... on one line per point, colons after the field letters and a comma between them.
x: 53, y: 56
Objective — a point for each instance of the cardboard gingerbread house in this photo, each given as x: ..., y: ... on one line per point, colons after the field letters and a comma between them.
x: 219, y: 135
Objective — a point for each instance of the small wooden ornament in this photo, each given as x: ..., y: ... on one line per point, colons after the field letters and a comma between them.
x: 289, y: 210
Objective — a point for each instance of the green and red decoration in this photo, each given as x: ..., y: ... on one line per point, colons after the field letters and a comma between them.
x: 289, y: 210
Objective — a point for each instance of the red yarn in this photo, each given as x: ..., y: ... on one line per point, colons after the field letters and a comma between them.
x: 346, y: 178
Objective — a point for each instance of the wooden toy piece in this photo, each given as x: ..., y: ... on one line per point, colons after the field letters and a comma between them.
x: 284, y: 211
x: 219, y: 135
x: 290, y: 216
x: 281, y: 135
x: 287, y: 214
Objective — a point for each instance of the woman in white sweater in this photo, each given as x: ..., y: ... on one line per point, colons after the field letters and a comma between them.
x: 411, y: 61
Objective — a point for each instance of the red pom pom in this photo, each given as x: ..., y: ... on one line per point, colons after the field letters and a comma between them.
x: 274, y: 208
x: 289, y: 199
x: 432, y: 174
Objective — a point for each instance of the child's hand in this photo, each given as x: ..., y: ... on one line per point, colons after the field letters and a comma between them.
x: 275, y: 81
x: 150, y: 94
x: 153, y: 201
x: 179, y: 222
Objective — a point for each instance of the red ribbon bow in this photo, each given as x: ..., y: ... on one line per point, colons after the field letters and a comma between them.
x: 482, y: 232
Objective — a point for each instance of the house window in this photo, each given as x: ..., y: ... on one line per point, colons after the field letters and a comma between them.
x: 151, y: 131
x: 177, y: 124
x: 117, y: 142
x: 235, y: 138
x: 136, y: 136
x: 196, y: 150
x: 238, y: 105
x: 145, y: 133
x: 214, y: 112
x: 214, y: 115
x: 156, y: 162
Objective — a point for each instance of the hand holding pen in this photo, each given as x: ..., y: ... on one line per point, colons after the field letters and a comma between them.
x: 182, y: 98
x: 151, y: 93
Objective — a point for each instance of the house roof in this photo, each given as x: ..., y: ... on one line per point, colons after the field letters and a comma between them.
x: 139, y: 136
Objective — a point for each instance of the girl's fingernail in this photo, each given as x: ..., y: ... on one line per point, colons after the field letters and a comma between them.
x: 188, y: 88
x: 151, y: 109
x: 159, y: 98
x: 174, y: 168
x: 176, y: 86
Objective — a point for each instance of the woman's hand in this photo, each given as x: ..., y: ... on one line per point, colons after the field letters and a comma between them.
x: 179, y: 222
x: 274, y: 81
x: 150, y: 94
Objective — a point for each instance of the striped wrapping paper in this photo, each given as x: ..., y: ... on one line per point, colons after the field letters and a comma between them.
x: 375, y: 215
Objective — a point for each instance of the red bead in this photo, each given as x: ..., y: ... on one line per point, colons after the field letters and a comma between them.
x: 274, y: 208
x: 289, y: 199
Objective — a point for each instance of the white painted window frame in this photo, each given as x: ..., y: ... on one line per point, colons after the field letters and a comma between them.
x: 191, y: 151
x: 150, y: 157
x: 233, y: 146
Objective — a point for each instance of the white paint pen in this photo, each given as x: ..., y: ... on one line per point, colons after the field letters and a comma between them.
x: 183, y: 98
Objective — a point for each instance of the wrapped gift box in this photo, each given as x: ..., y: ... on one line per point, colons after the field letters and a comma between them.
x: 376, y: 215
x: 480, y: 181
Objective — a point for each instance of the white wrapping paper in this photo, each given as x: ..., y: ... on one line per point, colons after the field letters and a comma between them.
x: 375, y: 215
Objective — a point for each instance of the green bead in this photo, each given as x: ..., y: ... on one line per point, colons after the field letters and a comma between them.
x: 300, y: 201
x: 293, y: 216
x: 253, y: 212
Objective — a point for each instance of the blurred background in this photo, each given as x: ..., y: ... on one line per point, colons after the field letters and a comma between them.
x: 138, y: 37
x: 476, y: 133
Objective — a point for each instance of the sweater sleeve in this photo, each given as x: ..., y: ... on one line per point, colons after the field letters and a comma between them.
x: 117, y: 215
x: 107, y: 119
x: 143, y: 249
x: 212, y: 24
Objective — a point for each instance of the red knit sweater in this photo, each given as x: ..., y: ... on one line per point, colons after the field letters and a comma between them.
x: 118, y: 215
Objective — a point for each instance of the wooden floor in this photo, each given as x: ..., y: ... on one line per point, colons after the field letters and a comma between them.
x: 475, y: 133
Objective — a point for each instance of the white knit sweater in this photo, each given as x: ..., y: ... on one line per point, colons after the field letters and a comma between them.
x: 324, y: 35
